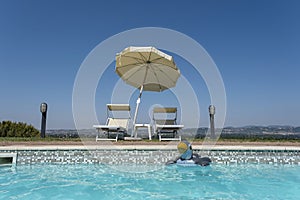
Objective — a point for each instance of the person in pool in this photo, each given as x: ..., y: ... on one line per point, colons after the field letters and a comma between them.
x: 186, y: 154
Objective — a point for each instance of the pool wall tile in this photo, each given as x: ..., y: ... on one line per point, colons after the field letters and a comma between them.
x: 151, y: 156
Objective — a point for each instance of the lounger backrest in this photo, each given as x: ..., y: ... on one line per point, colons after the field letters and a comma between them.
x: 165, y: 110
x: 165, y: 121
x: 118, y: 107
x: 165, y: 115
x: 118, y: 122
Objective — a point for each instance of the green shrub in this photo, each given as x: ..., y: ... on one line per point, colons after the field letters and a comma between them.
x: 17, y: 129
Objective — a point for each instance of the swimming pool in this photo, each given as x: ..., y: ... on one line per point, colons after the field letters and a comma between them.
x: 97, y: 181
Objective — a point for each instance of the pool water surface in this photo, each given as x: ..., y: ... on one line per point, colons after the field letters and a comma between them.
x: 218, y: 181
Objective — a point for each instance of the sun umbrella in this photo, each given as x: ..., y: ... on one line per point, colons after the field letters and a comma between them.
x: 147, y: 69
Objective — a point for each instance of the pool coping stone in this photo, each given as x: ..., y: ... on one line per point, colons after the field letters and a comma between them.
x: 149, y: 147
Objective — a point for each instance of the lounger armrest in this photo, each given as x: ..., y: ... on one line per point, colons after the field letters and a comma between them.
x: 158, y: 126
x: 106, y: 127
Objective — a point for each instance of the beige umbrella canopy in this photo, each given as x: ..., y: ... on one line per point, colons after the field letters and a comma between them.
x: 146, y: 68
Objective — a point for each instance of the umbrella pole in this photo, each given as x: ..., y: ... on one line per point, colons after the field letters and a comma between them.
x: 138, y: 101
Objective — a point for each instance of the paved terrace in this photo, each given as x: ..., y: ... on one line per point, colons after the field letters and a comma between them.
x: 171, y: 146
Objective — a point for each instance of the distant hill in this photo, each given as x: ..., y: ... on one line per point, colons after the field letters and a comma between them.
x: 273, y: 132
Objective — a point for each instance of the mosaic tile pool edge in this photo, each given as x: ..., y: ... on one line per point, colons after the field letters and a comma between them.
x: 150, y: 156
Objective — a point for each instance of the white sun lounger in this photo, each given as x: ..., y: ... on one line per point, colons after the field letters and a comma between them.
x: 115, y: 127
x: 164, y: 122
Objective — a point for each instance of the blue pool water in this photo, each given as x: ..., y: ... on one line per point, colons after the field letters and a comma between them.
x: 245, y: 181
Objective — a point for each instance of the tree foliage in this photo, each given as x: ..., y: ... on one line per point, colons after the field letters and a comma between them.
x: 17, y: 129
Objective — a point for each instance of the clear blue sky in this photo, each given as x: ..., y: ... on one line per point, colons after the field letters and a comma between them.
x: 255, y: 44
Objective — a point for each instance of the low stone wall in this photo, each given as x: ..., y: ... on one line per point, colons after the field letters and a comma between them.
x: 105, y: 156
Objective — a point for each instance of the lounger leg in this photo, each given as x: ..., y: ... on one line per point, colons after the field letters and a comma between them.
x: 97, y: 136
x: 149, y: 131
x: 135, y: 132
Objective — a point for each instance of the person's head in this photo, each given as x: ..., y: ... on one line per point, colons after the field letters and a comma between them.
x: 185, y: 149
